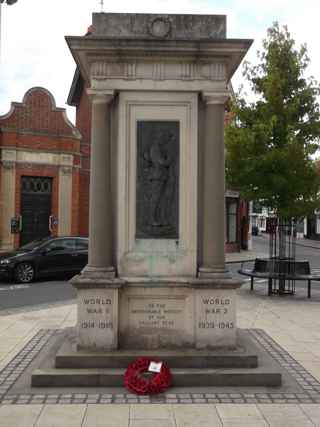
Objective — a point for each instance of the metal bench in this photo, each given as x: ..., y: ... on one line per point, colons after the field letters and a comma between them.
x: 275, y: 269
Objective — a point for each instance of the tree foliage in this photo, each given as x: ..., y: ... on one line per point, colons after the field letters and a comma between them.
x: 270, y: 141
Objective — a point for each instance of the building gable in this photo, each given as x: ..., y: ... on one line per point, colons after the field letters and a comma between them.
x: 37, y: 113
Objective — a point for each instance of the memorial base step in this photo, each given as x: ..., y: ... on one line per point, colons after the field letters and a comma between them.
x: 249, y: 365
x: 174, y: 359
x: 244, y: 356
x: 180, y: 378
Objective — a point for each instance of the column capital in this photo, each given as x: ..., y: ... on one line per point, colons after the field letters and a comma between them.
x: 99, y: 96
x: 6, y: 164
x: 216, y: 98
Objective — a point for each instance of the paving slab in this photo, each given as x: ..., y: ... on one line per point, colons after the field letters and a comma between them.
x: 19, y: 416
x: 61, y: 416
x: 285, y: 415
x: 106, y: 416
x: 196, y: 415
x: 246, y: 412
x: 312, y: 412
x: 151, y: 412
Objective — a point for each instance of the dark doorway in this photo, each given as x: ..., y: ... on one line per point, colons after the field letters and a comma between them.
x: 35, y: 207
x: 311, y: 227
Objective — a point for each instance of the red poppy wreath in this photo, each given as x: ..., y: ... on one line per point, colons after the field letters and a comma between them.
x: 157, y: 382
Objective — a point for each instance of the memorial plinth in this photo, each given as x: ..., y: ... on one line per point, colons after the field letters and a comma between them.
x: 156, y: 277
x: 160, y: 314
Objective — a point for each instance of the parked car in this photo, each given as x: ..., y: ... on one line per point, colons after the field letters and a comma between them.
x: 45, y: 257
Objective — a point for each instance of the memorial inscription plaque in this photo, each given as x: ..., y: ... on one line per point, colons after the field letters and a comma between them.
x: 97, y: 322
x: 98, y: 313
x: 216, y: 313
x: 156, y: 313
x: 216, y: 318
x: 157, y: 205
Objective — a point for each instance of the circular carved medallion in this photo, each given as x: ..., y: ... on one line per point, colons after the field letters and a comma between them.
x: 160, y: 27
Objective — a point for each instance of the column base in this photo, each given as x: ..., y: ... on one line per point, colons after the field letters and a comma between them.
x: 99, y: 272
x: 214, y: 273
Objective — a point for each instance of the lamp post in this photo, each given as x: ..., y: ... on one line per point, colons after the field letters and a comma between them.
x: 8, y: 2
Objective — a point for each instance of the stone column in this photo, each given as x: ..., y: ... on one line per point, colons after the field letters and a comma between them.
x: 65, y: 200
x: 100, y: 204
x: 213, y: 214
x: 7, y: 202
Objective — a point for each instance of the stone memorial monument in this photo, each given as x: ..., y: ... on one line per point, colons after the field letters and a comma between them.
x: 156, y: 276
x: 156, y: 279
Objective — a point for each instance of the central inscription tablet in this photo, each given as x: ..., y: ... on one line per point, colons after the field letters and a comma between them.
x: 157, y: 208
x: 157, y: 313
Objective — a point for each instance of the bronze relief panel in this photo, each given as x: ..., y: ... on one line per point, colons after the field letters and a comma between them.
x: 157, y: 201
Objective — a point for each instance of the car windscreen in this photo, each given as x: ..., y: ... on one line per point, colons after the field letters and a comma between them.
x: 82, y: 244
x: 33, y: 245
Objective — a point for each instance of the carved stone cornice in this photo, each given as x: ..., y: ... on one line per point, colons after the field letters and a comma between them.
x: 91, y: 50
x: 158, y: 70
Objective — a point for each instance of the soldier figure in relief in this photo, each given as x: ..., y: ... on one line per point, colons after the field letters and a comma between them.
x: 161, y: 175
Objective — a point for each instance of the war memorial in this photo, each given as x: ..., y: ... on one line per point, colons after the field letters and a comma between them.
x: 156, y: 283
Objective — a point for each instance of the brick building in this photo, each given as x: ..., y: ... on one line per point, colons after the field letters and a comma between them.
x: 44, y: 172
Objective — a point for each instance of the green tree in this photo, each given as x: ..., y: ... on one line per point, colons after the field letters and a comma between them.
x: 270, y: 141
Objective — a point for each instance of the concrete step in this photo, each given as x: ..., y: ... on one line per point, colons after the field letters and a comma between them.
x: 122, y: 359
x: 181, y: 377
x: 244, y: 356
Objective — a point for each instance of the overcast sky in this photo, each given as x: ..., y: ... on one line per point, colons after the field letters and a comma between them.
x: 34, y: 52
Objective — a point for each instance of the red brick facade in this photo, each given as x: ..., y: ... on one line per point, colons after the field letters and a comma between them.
x: 37, y: 139
x: 83, y: 123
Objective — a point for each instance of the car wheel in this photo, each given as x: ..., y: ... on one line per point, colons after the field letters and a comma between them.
x: 24, y: 273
